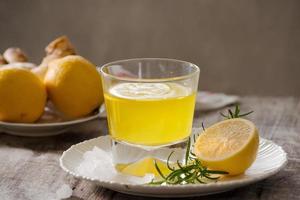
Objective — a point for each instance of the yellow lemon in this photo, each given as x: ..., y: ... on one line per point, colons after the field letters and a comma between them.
x: 22, y: 95
x: 230, y: 145
x: 143, y: 167
x: 74, y: 86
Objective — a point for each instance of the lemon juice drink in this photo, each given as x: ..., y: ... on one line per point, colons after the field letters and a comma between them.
x: 150, y: 114
x: 150, y: 106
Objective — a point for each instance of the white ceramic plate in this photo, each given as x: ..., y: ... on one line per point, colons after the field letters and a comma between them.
x: 271, y: 158
x: 49, y: 124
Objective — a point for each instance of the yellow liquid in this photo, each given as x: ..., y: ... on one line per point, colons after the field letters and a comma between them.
x: 144, y: 120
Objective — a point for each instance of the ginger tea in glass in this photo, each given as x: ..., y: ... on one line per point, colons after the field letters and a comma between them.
x: 150, y: 105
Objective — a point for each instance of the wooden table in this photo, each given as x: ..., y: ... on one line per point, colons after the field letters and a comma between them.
x: 29, y: 168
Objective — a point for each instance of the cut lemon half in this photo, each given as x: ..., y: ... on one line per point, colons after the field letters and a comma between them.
x: 230, y: 145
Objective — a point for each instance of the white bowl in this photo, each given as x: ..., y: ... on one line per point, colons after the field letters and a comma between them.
x: 51, y: 123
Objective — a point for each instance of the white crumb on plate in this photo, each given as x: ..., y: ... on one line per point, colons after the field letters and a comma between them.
x: 65, y: 191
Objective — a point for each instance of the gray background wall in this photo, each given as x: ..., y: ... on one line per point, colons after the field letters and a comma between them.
x: 241, y: 46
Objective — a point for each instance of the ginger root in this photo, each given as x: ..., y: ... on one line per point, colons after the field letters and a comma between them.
x: 14, y: 54
x: 58, y: 48
x: 2, y: 60
x: 15, y: 57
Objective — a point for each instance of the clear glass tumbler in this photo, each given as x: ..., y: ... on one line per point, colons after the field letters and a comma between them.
x: 150, y: 105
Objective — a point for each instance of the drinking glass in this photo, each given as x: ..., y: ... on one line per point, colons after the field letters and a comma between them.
x: 150, y: 105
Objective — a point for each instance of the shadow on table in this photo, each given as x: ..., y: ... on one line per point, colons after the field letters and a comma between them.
x: 253, y: 191
x: 222, y: 196
x: 74, y: 198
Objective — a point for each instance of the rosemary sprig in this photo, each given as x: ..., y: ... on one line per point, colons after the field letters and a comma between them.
x: 192, y: 171
x: 236, y: 113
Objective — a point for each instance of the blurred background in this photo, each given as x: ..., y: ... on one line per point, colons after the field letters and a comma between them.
x: 242, y: 47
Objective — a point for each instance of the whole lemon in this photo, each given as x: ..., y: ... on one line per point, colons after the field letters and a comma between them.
x: 22, y: 95
x: 74, y: 86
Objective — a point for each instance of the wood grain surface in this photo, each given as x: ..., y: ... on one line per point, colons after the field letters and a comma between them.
x: 29, y: 167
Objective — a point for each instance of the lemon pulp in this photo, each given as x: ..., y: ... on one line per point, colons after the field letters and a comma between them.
x: 230, y: 145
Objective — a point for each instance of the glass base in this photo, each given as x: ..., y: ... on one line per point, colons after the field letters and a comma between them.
x: 125, y: 153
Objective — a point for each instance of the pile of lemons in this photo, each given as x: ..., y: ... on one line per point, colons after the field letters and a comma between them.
x: 71, y: 83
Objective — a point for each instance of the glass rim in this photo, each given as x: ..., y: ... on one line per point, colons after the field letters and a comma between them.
x: 129, y: 79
